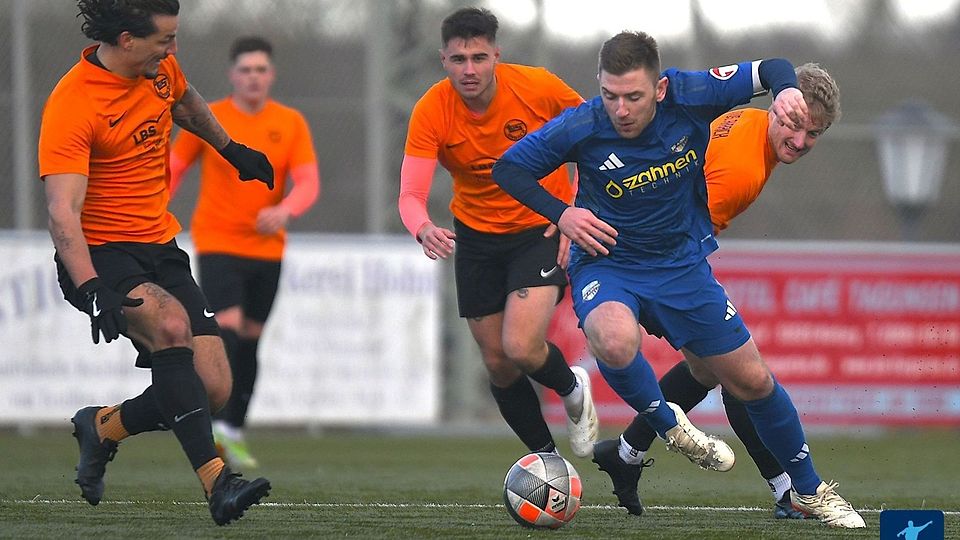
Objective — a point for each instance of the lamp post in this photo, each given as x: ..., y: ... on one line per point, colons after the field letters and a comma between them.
x: 912, y: 141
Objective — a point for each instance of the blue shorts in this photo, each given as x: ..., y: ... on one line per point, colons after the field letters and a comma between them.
x: 686, y: 305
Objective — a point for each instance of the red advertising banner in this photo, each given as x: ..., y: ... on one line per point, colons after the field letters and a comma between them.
x: 857, y: 334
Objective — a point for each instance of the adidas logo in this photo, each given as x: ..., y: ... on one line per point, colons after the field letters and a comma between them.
x: 802, y: 454
x: 731, y: 311
x: 653, y: 406
x: 612, y: 162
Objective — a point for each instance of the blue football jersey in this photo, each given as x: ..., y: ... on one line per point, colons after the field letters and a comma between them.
x: 650, y: 188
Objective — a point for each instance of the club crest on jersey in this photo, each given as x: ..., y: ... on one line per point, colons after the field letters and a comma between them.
x: 161, y: 84
x: 724, y: 72
x: 515, y: 129
x: 590, y: 290
x: 680, y: 145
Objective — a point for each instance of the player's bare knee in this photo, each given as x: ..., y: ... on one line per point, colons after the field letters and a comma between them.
x: 702, y: 374
x: 218, y: 394
x: 527, y: 354
x: 613, y: 344
x: 615, y: 351
x: 751, y: 388
x: 503, y: 374
x: 173, y: 331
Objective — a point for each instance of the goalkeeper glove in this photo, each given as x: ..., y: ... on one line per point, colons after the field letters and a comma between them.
x: 251, y: 164
x: 104, y: 306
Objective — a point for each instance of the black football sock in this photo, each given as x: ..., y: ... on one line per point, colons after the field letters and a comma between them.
x: 678, y: 386
x: 142, y: 413
x: 183, y: 403
x: 742, y: 425
x: 520, y: 407
x: 244, y: 379
x: 555, y: 373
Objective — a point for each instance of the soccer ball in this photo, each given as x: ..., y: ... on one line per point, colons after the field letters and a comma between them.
x: 542, y: 490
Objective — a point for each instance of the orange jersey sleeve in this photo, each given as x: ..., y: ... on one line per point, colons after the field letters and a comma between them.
x: 225, y: 217
x: 739, y: 162
x: 115, y: 131
x: 467, y: 145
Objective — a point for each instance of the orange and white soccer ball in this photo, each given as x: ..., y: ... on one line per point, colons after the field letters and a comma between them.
x: 542, y: 490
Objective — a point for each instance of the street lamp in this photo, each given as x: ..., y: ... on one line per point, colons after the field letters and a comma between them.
x: 913, y: 140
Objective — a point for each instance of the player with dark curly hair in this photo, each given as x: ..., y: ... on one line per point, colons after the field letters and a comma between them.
x: 103, y: 159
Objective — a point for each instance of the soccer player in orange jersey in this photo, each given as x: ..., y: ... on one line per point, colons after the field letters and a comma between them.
x: 745, y: 146
x: 509, y: 261
x: 103, y: 159
x: 239, y: 230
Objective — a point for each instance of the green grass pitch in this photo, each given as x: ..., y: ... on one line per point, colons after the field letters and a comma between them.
x: 370, y: 485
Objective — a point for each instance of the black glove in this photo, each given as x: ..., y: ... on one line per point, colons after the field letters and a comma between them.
x: 104, y: 307
x: 251, y: 164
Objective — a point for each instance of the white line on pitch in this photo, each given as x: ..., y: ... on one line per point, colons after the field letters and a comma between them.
x: 423, y: 505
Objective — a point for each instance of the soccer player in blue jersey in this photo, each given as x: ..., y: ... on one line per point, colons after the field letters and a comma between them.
x: 641, y: 231
x: 745, y: 148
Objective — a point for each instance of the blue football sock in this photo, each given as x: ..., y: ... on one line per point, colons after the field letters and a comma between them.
x: 637, y: 385
x: 778, y: 425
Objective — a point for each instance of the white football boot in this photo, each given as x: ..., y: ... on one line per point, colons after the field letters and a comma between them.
x: 829, y: 507
x: 706, y: 451
x: 586, y: 429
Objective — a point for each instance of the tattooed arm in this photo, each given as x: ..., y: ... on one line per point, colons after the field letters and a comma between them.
x: 192, y: 114
x: 65, y: 195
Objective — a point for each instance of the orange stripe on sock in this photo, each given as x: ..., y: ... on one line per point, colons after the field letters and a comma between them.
x: 109, y: 425
x: 209, y: 472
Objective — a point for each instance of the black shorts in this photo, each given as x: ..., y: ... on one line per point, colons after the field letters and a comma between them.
x: 490, y: 266
x: 229, y: 280
x: 122, y: 266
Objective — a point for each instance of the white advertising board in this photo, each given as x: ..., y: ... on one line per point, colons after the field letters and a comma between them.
x: 353, y: 338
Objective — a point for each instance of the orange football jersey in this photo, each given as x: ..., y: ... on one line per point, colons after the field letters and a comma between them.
x: 739, y: 163
x: 467, y: 145
x: 225, y: 218
x: 115, y: 131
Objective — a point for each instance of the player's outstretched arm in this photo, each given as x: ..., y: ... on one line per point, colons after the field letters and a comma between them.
x: 192, y: 114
